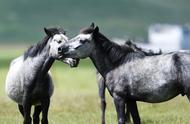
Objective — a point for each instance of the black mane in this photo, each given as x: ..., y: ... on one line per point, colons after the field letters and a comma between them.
x: 146, y: 52
x: 114, y: 51
x: 121, y: 53
x: 37, y: 48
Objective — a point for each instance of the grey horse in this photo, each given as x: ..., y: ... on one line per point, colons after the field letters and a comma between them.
x: 128, y: 75
x: 29, y: 82
x: 102, y: 84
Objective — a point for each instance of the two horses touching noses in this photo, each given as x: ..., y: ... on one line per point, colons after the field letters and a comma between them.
x: 130, y: 75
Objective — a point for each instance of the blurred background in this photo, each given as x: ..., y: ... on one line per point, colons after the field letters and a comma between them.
x: 154, y: 24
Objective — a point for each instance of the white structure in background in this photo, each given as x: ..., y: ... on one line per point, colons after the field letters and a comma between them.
x: 165, y: 37
x: 169, y: 37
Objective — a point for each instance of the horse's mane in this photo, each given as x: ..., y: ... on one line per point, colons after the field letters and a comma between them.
x: 145, y: 51
x: 37, y: 48
x: 114, y: 51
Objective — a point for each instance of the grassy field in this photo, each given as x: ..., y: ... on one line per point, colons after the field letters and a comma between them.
x: 76, y: 101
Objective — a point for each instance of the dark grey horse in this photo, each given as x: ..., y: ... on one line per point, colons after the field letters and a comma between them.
x: 128, y: 75
x: 28, y: 81
x: 102, y: 84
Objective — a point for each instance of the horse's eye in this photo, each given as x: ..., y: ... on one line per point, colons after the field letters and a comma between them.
x: 59, y: 41
x: 83, y: 41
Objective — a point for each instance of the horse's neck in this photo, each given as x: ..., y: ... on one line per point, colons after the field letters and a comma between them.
x: 101, y: 62
x: 46, y: 66
x: 42, y: 62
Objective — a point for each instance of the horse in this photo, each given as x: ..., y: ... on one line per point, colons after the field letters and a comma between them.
x: 28, y: 80
x: 102, y: 84
x: 128, y: 75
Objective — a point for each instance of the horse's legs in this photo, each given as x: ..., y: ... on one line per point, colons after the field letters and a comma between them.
x: 120, y: 108
x: 127, y: 114
x: 132, y: 106
x: 20, y: 107
x: 36, y: 115
x: 27, y: 109
x: 45, y: 108
x: 101, y: 85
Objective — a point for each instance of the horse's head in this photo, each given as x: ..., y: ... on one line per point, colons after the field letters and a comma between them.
x: 57, y: 38
x: 82, y: 45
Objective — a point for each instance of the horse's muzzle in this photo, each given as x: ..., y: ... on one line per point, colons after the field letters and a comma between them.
x: 75, y: 63
x: 62, y: 50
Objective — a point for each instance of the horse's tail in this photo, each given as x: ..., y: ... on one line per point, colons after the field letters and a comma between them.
x: 182, y: 65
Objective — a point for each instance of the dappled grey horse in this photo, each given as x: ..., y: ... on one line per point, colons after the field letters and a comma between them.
x: 128, y: 75
x: 102, y: 84
x: 29, y: 81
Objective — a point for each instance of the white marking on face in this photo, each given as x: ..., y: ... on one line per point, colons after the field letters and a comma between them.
x: 80, y: 46
x: 76, y: 42
x: 57, y: 41
x: 84, y: 36
x: 60, y: 37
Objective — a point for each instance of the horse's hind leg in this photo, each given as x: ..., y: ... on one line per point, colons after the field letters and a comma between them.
x: 101, y: 85
x: 20, y: 107
x: 36, y: 115
x: 45, y: 107
x: 132, y: 106
x: 127, y: 115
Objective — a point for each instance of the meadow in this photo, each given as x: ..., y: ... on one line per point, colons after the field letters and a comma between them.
x: 76, y: 100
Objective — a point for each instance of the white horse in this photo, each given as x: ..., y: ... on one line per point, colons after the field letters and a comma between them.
x: 29, y: 81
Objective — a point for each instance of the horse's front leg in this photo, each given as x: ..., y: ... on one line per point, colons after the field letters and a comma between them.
x: 132, y: 106
x: 127, y: 114
x: 101, y: 85
x: 21, y: 109
x: 36, y: 115
x: 27, y: 109
x: 45, y: 107
x: 120, y: 108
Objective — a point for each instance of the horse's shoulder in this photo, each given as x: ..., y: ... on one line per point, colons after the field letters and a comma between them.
x: 16, y: 60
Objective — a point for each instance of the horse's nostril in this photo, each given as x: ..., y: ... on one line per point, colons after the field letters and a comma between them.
x: 59, y: 49
x: 62, y: 50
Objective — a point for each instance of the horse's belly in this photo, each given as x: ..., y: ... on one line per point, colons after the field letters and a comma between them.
x: 15, y: 92
x: 160, y: 94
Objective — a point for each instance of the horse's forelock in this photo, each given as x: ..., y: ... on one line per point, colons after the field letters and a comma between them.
x: 88, y: 30
x: 57, y: 30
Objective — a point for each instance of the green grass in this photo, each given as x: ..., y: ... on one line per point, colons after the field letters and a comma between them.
x: 76, y: 101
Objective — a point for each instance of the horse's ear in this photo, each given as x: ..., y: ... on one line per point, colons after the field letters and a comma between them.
x: 92, y: 25
x: 48, y: 32
x: 96, y: 30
